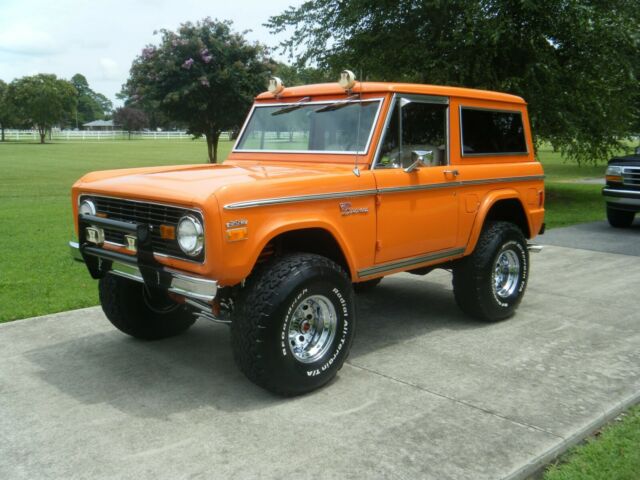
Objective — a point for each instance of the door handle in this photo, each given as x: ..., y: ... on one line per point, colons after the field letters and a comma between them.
x: 455, y: 172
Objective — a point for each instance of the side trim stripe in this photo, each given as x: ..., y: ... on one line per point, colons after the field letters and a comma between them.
x: 409, y: 262
x: 296, y: 199
x: 362, y: 193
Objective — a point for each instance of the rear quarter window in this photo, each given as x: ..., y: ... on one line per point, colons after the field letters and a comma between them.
x: 491, y: 132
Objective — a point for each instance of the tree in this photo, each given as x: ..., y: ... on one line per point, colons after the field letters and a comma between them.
x: 43, y: 100
x: 7, y: 109
x: 131, y: 119
x: 204, y: 75
x: 292, y: 75
x: 91, y: 105
x: 574, y: 61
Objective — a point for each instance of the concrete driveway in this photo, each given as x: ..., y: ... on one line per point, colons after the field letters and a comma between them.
x: 426, y: 393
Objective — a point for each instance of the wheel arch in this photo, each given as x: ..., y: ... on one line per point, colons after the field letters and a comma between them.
x: 316, y: 238
x: 502, y: 205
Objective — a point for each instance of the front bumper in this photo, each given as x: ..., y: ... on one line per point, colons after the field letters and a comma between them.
x: 141, y: 267
x: 626, y: 198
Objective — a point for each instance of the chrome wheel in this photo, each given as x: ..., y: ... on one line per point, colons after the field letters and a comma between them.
x: 506, y: 274
x: 312, y: 328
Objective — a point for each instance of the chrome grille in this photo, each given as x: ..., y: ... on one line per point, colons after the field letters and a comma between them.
x: 142, y: 212
x: 631, y: 176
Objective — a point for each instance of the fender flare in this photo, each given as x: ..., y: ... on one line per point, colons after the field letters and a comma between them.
x: 485, y: 206
x: 308, y: 225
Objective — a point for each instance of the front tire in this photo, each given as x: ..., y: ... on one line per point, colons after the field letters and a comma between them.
x: 620, y: 218
x: 294, y: 324
x: 490, y: 283
x: 132, y: 310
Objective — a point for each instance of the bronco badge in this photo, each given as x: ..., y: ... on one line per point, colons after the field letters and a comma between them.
x: 346, y: 210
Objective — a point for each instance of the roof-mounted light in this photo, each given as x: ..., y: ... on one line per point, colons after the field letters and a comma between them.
x: 275, y: 85
x: 347, y: 79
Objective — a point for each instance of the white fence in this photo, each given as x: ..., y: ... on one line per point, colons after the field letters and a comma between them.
x: 81, y: 135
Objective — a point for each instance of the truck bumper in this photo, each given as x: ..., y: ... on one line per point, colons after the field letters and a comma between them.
x: 141, y: 267
x: 630, y: 199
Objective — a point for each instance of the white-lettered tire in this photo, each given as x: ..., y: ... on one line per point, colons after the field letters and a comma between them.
x: 132, y: 310
x: 490, y: 283
x: 294, y: 323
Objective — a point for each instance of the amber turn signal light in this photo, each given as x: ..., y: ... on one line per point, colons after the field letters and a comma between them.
x: 237, y: 234
x: 167, y: 232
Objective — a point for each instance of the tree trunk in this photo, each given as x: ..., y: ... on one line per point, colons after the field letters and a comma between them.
x: 2, y: 128
x: 129, y: 134
x: 212, y: 145
x: 43, y: 134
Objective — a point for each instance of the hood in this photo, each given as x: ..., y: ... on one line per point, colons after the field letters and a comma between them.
x: 194, y: 184
x: 630, y: 160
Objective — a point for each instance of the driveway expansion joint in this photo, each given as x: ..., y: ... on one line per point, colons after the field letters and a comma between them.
x: 460, y: 402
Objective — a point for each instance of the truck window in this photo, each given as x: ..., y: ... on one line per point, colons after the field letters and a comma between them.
x: 314, y: 127
x: 490, y: 132
x: 414, y: 126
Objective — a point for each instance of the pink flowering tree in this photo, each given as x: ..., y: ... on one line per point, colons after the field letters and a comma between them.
x: 203, y: 75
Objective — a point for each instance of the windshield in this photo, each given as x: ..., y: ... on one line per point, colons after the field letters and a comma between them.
x: 326, y: 127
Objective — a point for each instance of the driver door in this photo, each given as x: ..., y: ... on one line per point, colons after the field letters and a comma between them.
x: 417, y: 213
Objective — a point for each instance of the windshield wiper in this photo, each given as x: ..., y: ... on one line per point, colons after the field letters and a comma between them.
x: 339, y: 104
x: 291, y: 108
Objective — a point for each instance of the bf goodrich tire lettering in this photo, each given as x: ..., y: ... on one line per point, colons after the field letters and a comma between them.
x: 261, y: 331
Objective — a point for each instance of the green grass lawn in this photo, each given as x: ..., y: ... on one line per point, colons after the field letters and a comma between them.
x: 37, y: 275
x: 613, y: 454
x: 568, y: 201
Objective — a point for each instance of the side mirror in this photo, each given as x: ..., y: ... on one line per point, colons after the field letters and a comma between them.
x: 419, y: 158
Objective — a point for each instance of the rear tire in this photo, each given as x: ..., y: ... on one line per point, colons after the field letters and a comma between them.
x: 294, y: 323
x: 130, y: 309
x: 620, y: 218
x: 490, y: 283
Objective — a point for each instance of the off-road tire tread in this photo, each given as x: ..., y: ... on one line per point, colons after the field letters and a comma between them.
x: 466, y: 285
x: 249, y: 325
x: 137, y: 320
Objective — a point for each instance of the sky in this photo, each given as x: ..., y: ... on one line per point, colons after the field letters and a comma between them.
x: 100, y: 38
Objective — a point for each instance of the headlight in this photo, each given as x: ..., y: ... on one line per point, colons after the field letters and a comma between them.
x: 190, y: 235
x: 614, y: 174
x: 87, y: 207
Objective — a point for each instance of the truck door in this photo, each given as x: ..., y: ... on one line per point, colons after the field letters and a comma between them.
x: 417, y: 213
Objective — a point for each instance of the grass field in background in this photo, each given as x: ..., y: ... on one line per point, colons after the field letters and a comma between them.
x: 37, y: 275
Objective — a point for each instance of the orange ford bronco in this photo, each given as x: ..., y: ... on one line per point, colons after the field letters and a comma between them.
x: 328, y: 189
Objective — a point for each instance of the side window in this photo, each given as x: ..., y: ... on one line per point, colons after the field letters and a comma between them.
x: 486, y: 132
x: 414, y: 126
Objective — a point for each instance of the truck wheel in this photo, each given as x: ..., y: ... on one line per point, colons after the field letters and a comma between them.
x: 293, y: 325
x: 619, y: 218
x: 490, y: 283
x: 367, y: 285
x: 130, y: 309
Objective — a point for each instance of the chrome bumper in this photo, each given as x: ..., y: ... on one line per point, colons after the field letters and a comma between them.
x: 189, y: 286
x: 618, y: 196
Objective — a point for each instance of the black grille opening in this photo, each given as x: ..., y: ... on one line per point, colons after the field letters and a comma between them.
x: 631, y: 177
x: 149, y: 213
